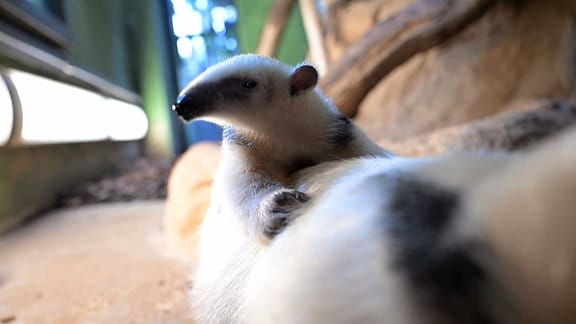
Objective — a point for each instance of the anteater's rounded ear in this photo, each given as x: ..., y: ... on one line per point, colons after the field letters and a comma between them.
x: 303, y: 78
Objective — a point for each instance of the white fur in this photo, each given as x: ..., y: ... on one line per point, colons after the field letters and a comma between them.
x: 282, y: 128
x: 332, y: 265
x: 324, y: 253
x: 527, y: 211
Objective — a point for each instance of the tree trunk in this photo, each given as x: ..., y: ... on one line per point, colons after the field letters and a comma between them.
x: 421, y: 26
x: 314, y: 34
x: 274, y: 27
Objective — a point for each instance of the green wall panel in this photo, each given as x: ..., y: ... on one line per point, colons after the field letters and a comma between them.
x: 252, y: 15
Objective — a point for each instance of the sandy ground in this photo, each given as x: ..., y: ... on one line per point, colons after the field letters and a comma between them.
x: 105, y: 263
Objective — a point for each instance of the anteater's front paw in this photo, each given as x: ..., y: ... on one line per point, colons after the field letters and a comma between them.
x: 281, y: 208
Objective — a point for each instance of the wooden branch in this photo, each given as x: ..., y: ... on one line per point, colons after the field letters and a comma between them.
x: 330, y: 17
x: 314, y: 34
x: 508, y: 131
x: 274, y: 27
x: 419, y: 27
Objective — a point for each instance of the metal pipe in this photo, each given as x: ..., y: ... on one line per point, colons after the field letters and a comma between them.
x: 16, y: 129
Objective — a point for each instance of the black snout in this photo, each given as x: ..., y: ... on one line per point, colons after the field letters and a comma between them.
x: 183, y: 107
x: 194, y: 103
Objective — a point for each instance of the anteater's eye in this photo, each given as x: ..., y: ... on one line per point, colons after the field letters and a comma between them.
x: 249, y: 84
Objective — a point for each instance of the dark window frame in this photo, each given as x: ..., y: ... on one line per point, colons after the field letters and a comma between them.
x: 38, y: 41
x: 46, y: 26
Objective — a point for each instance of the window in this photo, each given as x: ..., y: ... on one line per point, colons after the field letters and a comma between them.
x: 205, y: 33
x: 37, y: 22
x: 35, y: 48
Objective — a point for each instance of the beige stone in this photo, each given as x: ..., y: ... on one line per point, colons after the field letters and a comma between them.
x: 519, y: 51
x: 512, y: 54
x: 189, y: 187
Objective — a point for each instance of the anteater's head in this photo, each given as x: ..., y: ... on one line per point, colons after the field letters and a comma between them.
x: 255, y: 93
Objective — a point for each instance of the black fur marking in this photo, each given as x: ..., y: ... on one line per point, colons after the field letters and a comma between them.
x: 202, y: 99
x: 282, y: 208
x: 193, y: 105
x: 234, y: 89
x: 298, y: 164
x: 230, y: 135
x: 445, y: 279
x: 528, y: 128
x: 341, y: 131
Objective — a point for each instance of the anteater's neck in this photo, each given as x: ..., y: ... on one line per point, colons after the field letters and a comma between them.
x: 282, y: 151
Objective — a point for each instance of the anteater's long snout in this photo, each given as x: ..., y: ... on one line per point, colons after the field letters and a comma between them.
x: 193, y: 103
x: 183, y: 107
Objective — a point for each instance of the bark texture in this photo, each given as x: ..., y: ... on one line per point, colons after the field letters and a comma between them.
x: 421, y: 26
x: 274, y: 27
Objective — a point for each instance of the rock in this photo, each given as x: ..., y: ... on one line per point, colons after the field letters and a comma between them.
x: 189, y: 186
x: 518, y: 51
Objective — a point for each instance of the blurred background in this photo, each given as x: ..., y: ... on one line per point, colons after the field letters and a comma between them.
x: 87, y: 84
x: 86, y: 88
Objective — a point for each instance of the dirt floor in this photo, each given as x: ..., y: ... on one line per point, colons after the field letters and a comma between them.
x: 105, y: 263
